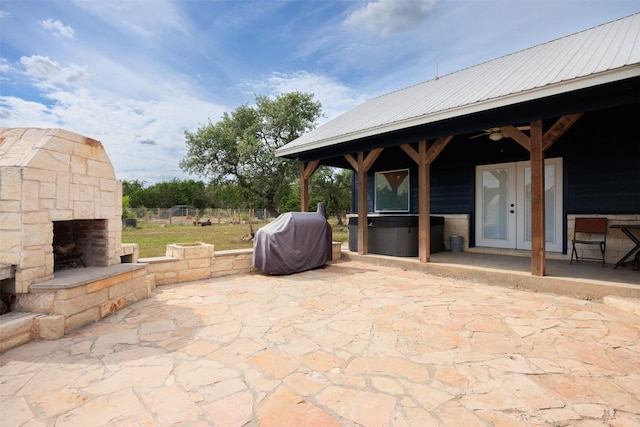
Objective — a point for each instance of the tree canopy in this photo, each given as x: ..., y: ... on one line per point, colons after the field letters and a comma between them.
x: 240, y: 147
x: 328, y: 185
x: 130, y: 187
x: 333, y: 187
x: 166, y: 194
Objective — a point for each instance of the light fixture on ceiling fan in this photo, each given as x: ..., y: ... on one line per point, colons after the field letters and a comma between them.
x: 495, y: 134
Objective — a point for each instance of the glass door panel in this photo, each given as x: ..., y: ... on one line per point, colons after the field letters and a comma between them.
x: 495, y: 205
x: 552, y: 201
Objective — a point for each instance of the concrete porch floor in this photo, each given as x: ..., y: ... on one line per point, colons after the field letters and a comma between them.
x: 585, y: 280
x: 351, y: 344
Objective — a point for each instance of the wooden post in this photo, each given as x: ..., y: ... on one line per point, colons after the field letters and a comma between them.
x: 304, y: 190
x: 306, y: 172
x: 538, y: 239
x: 362, y: 206
x: 362, y: 166
x: 197, y: 217
x: 426, y: 154
x: 424, y: 220
x: 537, y: 143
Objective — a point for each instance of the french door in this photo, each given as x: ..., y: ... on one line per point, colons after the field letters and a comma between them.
x: 503, y: 205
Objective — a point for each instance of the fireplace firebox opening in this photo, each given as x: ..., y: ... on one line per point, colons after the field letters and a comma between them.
x: 80, y: 243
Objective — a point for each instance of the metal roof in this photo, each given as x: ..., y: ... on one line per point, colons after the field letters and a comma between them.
x: 607, y: 53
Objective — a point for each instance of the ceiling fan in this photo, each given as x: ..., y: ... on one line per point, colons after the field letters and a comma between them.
x: 495, y: 134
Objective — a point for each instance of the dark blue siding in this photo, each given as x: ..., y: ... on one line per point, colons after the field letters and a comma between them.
x: 601, y: 163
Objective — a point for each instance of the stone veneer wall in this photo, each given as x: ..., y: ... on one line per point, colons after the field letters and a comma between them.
x: 456, y: 225
x: 51, y: 175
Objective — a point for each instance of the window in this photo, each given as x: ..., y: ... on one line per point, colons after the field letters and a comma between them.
x: 392, y: 191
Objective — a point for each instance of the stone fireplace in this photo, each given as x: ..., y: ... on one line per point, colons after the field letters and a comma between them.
x: 59, y: 200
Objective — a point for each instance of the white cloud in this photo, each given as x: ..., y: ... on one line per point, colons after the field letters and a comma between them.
x: 48, y: 74
x: 336, y: 98
x: 5, y: 67
x: 57, y: 28
x: 122, y: 124
x: 125, y: 126
x: 16, y: 112
x: 142, y: 18
x: 391, y: 16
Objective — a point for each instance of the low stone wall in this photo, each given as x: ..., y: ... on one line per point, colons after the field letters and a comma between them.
x: 19, y: 328
x: 16, y: 329
x: 232, y: 262
x: 129, y: 253
x: 196, y: 261
x: 336, y: 251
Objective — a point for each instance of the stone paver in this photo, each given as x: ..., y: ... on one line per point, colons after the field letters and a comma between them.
x: 348, y: 345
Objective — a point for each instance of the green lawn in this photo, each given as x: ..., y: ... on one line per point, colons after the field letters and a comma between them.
x: 153, y: 238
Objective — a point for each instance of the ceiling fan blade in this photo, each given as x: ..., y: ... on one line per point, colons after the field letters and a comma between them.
x: 478, y: 135
x: 495, y: 134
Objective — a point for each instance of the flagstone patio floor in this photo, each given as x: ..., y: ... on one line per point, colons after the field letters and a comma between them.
x: 351, y: 344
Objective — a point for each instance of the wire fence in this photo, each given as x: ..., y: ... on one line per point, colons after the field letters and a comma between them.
x: 194, y: 216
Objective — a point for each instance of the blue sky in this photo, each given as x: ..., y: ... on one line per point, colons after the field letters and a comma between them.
x: 136, y: 74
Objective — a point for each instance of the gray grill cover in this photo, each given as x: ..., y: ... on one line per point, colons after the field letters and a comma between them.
x: 293, y: 242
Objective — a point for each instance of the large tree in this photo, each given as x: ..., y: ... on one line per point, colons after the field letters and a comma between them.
x: 240, y: 147
x: 328, y: 185
x: 333, y: 187
x: 130, y: 187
